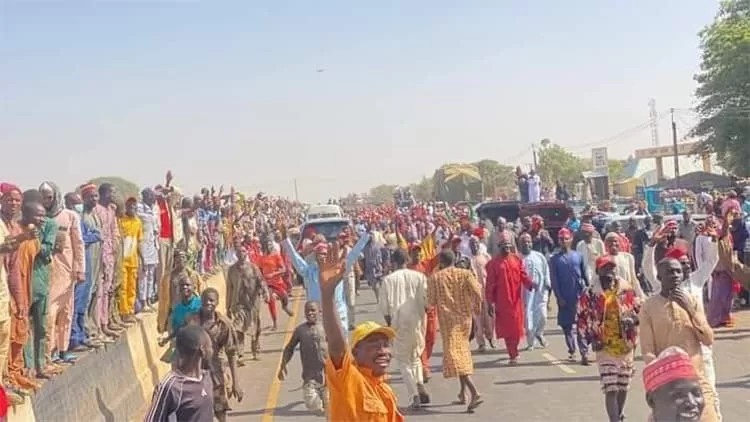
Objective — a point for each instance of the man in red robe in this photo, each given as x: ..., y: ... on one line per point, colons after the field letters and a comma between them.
x: 506, y: 279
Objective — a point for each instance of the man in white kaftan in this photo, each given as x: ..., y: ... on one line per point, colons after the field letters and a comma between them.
x: 535, y: 300
x: 403, y: 300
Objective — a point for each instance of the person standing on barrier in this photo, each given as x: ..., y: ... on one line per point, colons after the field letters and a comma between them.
x: 66, y: 270
x: 35, y: 351
x: 20, y: 269
x: 149, y: 249
x: 105, y: 212
x: 131, y: 229
x: 85, y: 333
x: 163, y: 272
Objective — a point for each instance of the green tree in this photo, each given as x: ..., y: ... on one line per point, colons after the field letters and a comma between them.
x: 496, y: 177
x: 556, y: 163
x: 616, y: 170
x: 124, y: 188
x: 422, y: 190
x: 724, y: 86
x: 381, y: 194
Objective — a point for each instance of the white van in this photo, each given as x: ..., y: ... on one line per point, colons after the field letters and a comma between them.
x: 315, y: 212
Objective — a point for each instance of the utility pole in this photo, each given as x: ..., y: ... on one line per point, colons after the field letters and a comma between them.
x: 296, y: 192
x: 533, y: 150
x: 653, y: 122
x: 676, y: 155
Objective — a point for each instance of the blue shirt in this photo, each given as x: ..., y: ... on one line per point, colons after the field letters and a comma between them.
x: 310, y: 273
x: 182, y: 310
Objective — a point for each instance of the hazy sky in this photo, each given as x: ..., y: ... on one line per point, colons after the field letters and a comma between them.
x: 230, y: 91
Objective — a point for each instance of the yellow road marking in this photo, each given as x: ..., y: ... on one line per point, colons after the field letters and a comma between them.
x: 273, y: 390
x: 558, y: 363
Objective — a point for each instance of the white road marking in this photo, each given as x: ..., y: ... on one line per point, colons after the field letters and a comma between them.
x: 558, y: 363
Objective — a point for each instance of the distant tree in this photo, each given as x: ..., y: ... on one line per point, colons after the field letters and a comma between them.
x: 124, y: 188
x: 381, y: 194
x: 496, y: 177
x: 557, y: 163
x: 617, y: 170
x: 724, y: 87
x: 422, y: 191
x: 545, y: 142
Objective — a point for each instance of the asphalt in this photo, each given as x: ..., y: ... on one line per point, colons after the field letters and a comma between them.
x: 542, y: 387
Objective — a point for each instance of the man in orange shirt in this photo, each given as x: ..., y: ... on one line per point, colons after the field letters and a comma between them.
x: 355, y: 377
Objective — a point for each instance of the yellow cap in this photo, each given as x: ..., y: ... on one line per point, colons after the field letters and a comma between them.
x: 369, y: 328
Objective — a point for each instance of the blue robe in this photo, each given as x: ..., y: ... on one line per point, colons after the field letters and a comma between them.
x: 568, y: 282
x: 82, y: 290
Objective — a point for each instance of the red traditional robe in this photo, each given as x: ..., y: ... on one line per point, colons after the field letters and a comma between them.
x: 506, y: 279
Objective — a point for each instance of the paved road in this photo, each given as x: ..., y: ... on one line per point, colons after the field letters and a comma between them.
x: 540, y: 388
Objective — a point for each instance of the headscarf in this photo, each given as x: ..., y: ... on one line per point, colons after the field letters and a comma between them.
x: 57, y: 202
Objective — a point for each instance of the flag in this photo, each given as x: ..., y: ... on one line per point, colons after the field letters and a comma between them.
x: 401, y: 241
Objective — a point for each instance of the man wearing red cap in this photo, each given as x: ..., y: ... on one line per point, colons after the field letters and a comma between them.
x: 608, y: 320
x: 675, y: 318
x: 589, y: 247
x: 624, y: 261
x: 694, y: 281
x: 506, y: 279
x: 673, y: 390
x: 569, y: 279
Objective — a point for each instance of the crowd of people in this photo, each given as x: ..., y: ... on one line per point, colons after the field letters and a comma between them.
x: 78, y: 267
x: 658, y: 288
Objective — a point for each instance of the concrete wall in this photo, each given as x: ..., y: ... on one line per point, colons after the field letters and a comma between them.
x: 112, y: 384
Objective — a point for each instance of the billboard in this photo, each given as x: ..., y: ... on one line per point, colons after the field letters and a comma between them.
x: 599, y: 159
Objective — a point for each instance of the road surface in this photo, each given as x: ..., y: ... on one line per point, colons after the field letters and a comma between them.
x: 542, y: 387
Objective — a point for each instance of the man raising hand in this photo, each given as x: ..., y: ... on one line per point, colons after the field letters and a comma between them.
x: 355, y: 376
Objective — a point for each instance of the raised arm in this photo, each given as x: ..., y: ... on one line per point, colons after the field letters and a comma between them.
x: 704, y: 267
x: 356, y: 251
x: 298, y: 262
x: 649, y: 268
x: 331, y: 273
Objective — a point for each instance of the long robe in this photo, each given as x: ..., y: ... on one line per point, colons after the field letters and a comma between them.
x: 110, y: 243
x: 93, y: 270
x: 506, y: 278
x: 535, y: 300
x: 456, y: 295
x: 484, y: 326
x: 403, y: 297
x: 65, y: 265
x: 589, y: 252
x: 568, y: 278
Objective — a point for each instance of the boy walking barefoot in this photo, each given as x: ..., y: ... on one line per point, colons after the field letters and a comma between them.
x: 311, y: 339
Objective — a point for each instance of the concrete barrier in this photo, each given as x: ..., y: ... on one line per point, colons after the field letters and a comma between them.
x: 112, y: 384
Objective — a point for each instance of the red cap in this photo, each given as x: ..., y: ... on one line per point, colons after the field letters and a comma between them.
x: 676, y: 252
x: 478, y: 232
x: 672, y: 364
x: 564, y: 232
x: 604, y: 261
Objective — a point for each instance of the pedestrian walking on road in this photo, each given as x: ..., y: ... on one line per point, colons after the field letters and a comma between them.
x: 535, y: 300
x: 506, y: 281
x: 403, y: 299
x: 311, y: 339
x: 609, y: 321
x: 569, y: 280
x: 455, y: 293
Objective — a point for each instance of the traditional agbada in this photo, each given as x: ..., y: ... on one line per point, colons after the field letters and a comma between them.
x: 506, y: 279
x: 456, y: 295
x: 245, y: 288
x: 403, y: 298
